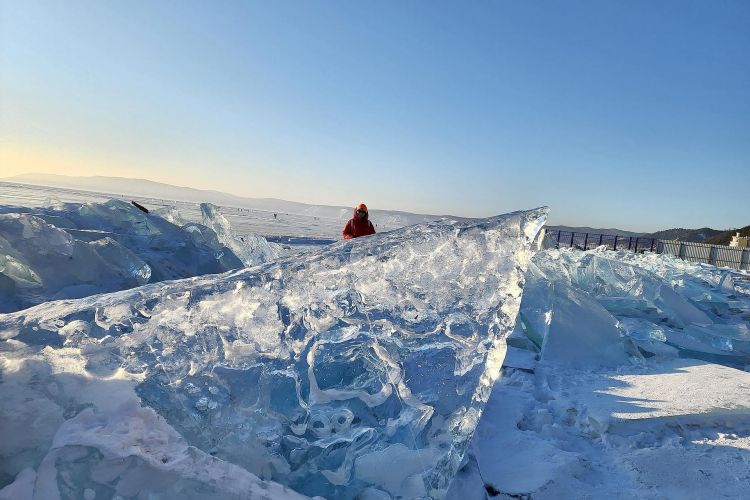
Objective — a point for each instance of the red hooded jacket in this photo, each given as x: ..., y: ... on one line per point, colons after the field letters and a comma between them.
x: 357, y: 227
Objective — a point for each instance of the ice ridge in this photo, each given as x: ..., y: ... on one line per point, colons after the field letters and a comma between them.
x: 361, y: 369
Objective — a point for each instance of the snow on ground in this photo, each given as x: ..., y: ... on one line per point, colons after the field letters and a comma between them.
x: 576, y: 420
x: 559, y: 434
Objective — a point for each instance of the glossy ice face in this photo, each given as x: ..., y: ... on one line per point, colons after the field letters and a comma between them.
x: 363, y: 367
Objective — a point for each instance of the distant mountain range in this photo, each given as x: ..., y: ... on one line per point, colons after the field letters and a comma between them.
x: 151, y: 189
x: 695, y: 235
x: 593, y: 230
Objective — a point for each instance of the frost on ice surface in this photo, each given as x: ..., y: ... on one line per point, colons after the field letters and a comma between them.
x: 70, y: 432
x: 72, y: 250
x: 376, y: 354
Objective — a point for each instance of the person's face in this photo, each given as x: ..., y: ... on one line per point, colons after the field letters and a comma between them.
x: 361, y: 213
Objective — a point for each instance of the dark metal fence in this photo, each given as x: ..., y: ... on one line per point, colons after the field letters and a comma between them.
x: 587, y: 241
x: 716, y: 255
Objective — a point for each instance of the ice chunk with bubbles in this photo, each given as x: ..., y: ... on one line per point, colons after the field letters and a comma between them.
x: 371, y: 354
x: 67, y: 434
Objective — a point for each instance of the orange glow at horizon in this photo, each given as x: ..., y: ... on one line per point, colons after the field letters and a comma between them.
x: 18, y: 159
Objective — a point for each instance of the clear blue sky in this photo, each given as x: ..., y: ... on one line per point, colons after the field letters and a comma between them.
x: 634, y: 114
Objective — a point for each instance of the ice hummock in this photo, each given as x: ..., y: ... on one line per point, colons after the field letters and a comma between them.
x: 40, y: 262
x: 72, y: 250
x: 72, y: 433
x: 376, y: 354
x: 659, y: 303
x: 626, y: 397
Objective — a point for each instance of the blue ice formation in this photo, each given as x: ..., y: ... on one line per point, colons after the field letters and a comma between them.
x: 359, y: 369
x: 73, y: 250
x: 595, y: 308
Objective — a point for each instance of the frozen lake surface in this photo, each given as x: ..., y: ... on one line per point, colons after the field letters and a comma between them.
x: 310, y: 225
x: 449, y: 359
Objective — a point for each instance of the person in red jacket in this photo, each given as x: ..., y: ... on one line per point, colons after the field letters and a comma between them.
x: 359, y: 224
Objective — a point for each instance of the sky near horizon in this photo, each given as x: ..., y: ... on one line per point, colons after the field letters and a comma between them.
x: 615, y: 114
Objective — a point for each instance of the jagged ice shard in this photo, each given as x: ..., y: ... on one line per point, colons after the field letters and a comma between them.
x: 252, y: 249
x: 361, y: 369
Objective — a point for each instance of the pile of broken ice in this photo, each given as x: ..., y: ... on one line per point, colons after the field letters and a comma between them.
x: 71, y: 250
x: 361, y: 369
x: 624, y: 376
x: 358, y: 370
x: 589, y: 309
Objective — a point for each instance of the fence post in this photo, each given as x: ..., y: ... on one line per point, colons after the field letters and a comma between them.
x: 681, y: 250
x: 558, y: 237
x: 636, y: 244
x: 712, y: 255
x: 572, y: 235
x: 615, y: 245
x: 586, y: 241
x: 652, y: 243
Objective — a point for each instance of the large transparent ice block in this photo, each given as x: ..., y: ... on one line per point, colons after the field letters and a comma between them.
x: 362, y: 368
